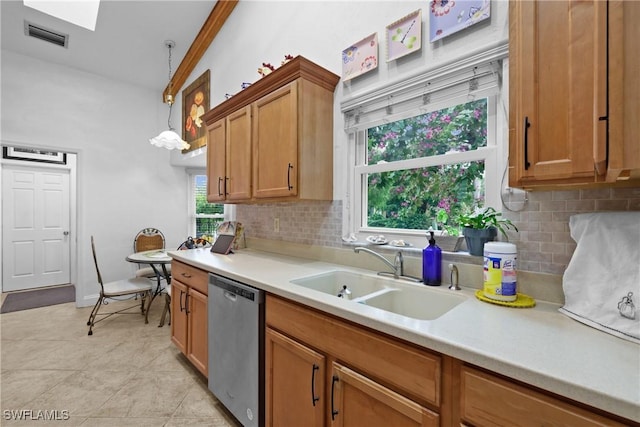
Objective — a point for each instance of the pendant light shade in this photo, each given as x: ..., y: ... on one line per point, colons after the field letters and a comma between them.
x: 169, y: 139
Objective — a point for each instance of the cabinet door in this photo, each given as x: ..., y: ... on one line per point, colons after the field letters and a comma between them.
x: 179, y: 315
x: 487, y: 400
x: 216, y: 154
x: 275, y: 143
x: 356, y: 400
x: 624, y: 87
x: 556, y: 76
x: 197, y: 340
x: 238, y: 161
x: 294, y: 382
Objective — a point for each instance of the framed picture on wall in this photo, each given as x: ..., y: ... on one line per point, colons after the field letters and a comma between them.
x: 360, y: 58
x: 404, y: 36
x: 195, y: 102
x: 448, y: 17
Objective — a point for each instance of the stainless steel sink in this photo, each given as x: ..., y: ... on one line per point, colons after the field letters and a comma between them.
x: 415, y: 301
x: 333, y: 281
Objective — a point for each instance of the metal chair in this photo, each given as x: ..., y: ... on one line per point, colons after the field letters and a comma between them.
x: 119, y: 288
x: 167, y: 307
x: 148, y: 239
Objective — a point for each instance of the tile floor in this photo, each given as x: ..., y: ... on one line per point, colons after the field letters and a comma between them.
x: 126, y: 374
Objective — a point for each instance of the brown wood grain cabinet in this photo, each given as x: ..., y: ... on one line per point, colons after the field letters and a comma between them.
x: 229, y: 158
x: 569, y: 118
x: 361, y: 377
x: 324, y: 371
x: 189, y: 289
x: 295, y: 377
x: 489, y: 400
x: 273, y: 141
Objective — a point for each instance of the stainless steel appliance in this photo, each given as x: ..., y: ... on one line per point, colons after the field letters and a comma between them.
x: 236, y: 348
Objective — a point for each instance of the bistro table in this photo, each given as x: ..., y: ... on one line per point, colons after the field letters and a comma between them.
x: 158, y: 260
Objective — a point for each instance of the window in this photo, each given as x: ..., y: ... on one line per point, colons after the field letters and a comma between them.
x: 205, y: 216
x: 425, y: 152
x: 449, y: 181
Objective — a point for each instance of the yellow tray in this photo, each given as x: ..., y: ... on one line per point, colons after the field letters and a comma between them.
x: 522, y: 300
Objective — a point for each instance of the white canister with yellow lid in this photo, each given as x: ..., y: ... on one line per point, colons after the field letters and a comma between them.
x: 500, y: 262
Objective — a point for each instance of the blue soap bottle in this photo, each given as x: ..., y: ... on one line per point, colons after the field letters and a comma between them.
x: 432, y: 263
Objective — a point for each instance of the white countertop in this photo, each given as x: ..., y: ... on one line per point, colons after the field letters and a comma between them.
x: 538, y: 346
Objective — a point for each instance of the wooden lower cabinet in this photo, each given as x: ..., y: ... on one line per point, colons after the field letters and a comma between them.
x: 325, y: 371
x: 197, y: 342
x: 295, y: 376
x: 321, y: 371
x: 357, y: 401
x: 490, y: 400
x: 189, y: 313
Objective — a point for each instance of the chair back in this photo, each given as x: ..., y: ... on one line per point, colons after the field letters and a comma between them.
x: 148, y: 239
x: 95, y: 260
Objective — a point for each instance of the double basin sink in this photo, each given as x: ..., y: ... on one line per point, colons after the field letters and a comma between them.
x: 415, y: 301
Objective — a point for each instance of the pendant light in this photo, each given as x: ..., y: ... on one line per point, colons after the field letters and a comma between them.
x: 169, y: 139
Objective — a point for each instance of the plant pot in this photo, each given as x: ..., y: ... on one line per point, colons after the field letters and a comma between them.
x: 477, y: 237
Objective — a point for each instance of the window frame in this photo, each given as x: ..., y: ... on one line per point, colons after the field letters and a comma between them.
x: 494, y: 154
x: 228, y: 211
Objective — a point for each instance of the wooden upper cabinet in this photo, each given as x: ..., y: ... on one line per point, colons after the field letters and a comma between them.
x: 275, y: 143
x: 229, y: 158
x: 557, y: 75
x: 238, y: 185
x: 287, y: 119
x: 216, y: 155
x: 624, y: 90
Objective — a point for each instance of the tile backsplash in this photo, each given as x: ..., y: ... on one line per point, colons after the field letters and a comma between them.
x: 544, y: 243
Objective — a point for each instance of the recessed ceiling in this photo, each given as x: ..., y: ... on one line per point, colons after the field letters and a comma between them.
x: 80, y: 12
x: 127, y: 44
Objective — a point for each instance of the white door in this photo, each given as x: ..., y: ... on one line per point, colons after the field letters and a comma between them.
x: 35, y: 227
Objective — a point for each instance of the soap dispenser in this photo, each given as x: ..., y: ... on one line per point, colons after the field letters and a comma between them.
x: 432, y: 263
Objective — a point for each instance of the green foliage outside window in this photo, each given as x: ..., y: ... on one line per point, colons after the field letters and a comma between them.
x: 206, y: 225
x: 432, y: 196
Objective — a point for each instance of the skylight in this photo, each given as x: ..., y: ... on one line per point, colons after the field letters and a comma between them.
x: 83, y: 13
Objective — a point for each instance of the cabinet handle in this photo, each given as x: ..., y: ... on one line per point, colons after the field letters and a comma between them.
x: 289, y: 176
x: 226, y: 179
x: 219, y: 180
x: 334, y: 380
x: 188, y: 276
x: 314, y: 399
x: 526, y: 143
x: 181, y: 308
x: 186, y: 303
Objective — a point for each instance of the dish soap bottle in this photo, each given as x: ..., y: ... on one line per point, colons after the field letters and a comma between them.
x: 432, y: 263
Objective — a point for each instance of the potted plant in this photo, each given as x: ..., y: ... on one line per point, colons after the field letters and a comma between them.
x: 482, y: 226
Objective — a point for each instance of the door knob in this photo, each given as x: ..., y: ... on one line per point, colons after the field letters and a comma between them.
x: 66, y: 233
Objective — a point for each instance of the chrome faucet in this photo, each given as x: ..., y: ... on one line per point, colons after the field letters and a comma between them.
x: 397, y: 266
x: 454, y: 274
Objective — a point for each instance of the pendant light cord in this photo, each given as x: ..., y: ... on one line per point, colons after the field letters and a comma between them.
x: 170, y: 101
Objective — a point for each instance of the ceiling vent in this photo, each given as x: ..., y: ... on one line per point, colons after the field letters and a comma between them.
x: 46, y: 34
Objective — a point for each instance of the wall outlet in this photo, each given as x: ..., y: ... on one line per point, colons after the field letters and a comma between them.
x: 276, y: 225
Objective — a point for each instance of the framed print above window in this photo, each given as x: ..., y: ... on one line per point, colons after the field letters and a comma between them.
x: 450, y: 16
x: 404, y: 36
x: 360, y: 57
x: 195, y: 102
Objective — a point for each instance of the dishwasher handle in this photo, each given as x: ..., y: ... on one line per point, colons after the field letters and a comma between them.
x: 233, y: 290
x: 230, y: 296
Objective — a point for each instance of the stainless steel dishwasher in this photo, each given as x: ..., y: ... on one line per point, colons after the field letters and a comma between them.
x: 236, y: 348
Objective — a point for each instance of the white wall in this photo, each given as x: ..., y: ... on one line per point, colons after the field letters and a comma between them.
x: 265, y: 31
x: 124, y: 183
